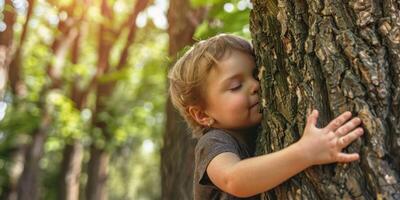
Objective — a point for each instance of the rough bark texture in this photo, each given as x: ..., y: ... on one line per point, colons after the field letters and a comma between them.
x: 333, y: 56
x: 177, y: 155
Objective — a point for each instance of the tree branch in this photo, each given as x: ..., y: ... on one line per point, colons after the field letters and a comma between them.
x: 139, y: 7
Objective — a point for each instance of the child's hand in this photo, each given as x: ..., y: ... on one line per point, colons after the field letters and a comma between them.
x: 322, y: 146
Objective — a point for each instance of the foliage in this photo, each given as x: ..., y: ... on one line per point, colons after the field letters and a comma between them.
x: 224, y: 17
x: 137, y: 108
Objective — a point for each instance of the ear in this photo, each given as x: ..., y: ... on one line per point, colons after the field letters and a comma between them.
x: 199, y: 115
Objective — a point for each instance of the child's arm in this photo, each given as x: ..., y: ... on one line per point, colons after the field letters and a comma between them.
x: 248, y: 177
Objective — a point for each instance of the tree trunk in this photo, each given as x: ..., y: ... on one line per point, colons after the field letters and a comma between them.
x: 15, y: 71
x: 97, y: 174
x: 6, y: 46
x: 333, y: 56
x: 73, y: 151
x: 6, y: 41
x: 28, y: 183
x: 177, y: 154
x: 9, y: 191
x: 71, y: 171
x: 10, y: 68
x: 98, y: 163
x: 99, y: 157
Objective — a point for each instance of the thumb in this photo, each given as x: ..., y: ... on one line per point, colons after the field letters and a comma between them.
x: 312, y: 118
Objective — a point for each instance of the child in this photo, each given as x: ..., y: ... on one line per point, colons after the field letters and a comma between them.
x: 214, y: 87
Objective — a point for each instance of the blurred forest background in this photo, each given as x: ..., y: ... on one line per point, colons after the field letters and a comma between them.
x: 83, y: 88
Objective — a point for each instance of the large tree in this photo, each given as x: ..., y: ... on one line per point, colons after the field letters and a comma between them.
x: 332, y: 56
x: 177, y: 155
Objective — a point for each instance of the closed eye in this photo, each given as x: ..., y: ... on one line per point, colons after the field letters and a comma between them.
x: 237, y: 87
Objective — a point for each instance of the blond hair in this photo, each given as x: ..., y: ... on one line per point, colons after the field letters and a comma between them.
x: 188, y: 76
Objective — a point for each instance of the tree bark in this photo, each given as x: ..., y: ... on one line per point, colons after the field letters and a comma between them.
x: 333, y: 56
x: 177, y: 154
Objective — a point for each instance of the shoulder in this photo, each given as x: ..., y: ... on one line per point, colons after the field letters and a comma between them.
x: 215, y: 136
x: 210, y: 145
x: 214, y: 142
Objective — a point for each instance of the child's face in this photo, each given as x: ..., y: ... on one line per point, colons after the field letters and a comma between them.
x: 231, y: 93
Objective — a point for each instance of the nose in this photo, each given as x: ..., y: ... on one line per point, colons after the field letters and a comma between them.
x: 255, y: 87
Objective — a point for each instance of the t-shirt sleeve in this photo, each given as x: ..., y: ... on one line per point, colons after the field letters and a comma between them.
x: 210, y: 145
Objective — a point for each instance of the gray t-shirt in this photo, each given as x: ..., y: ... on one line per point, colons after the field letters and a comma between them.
x: 210, y: 145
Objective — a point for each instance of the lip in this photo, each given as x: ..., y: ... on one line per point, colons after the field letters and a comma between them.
x: 254, y: 105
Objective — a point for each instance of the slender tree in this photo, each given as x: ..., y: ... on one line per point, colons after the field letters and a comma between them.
x: 71, y: 164
x: 177, y: 162
x: 6, y: 53
x: 28, y: 183
x: 6, y: 42
x: 99, y: 156
x: 15, y: 71
x: 332, y: 56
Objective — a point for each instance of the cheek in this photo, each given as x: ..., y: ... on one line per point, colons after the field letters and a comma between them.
x: 237, y: 103
x: 230, y: 106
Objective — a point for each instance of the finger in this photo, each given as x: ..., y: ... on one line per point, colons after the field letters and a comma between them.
x: 349, y: 138
x: 344, y: 157
x: 312, y: 118
x: 338, y: 121
x: 352, y: 124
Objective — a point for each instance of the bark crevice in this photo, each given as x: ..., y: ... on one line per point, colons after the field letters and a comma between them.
x: 344, y: 57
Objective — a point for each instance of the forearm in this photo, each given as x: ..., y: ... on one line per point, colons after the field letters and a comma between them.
x: 255, y: 175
